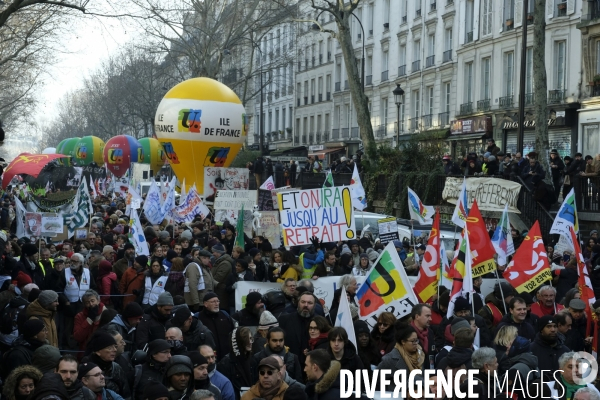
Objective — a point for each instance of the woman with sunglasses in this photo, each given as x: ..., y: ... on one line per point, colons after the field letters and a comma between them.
x: 318, y: 331
x: 343, y: 350
x: 383, y: 333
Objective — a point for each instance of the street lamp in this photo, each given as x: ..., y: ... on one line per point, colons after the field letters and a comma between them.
x: 398, y: 97
x: 316, y: 27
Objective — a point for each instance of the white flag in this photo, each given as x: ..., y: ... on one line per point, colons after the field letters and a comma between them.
x: 152, y: 209
x: 182, y: 194
x: 169, y: 202
x: 502, y: 239
x: 93, y: 187
x: 566, y: 216
x: 344, y: 317
x: 136, y: 235
x: 445, y: 280
x: 461, y: 211
x: 20, y: 217
x: 269, y: 184
x: 418, y: 211
x: 357, y: 191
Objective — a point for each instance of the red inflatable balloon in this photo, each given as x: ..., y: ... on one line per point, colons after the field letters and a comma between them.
x: 120, y: 152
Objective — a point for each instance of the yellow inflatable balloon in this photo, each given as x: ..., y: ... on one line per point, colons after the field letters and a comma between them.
x: 200, y: 123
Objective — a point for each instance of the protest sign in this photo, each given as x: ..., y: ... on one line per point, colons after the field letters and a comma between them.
x: 491, y: 193
x: 325, y: 213
x: 217, y: 178
x: 265, y: 200
x: 388, y: 230
x: 274, y: 195
x: 52, y: 223
x: 33, y: 224
x: 81, y: 234
x: 191, y: 207
x: 234, y: 199
x: 270, y: 228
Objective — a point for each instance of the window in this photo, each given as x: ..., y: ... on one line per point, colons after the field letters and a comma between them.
x: 448, y: 39
x: 431, y: 44
x: 370, y: 13
x: 270, y: 121
x: 468, y: 82
x: 291, y: 74
x: 416, y: 106
x: 469, y: 26
x: 447, y: 99
x: 283, y: 120
x: 402, y: 55
x: 384, y: 61
x: 326, y: 123
x: 277, y: 119
x: 485, y: 78
x: 529, y: 71
x: 384, y: 113
x: 486, y: 23
x: 508, y: 73
x: 386, y: 13
x: 559, y: 62
x: 509, y: 14
x: 430, y: 100
x: 290, y: 116
x: 369, y: 68
x: 402, y: 117
x: 598, y: 57
x: 417, y: 51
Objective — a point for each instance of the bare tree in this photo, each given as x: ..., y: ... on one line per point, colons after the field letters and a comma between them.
x: 16, y: 7
x: 541, y: 87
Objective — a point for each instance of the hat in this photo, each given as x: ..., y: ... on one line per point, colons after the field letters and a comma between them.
x: 458, y: 323
x: 372, y: 254
x: 60, y: 259
x: 487, y: 154
x: 343, y: 159
x: 527, y: 297
x: 267, y: 320
x: 578, y: 155
x: 397, y: 244
x: 107, y: 249
x: 32, y: 327
x: 554, y: 151
x: 158, y: 345
x: 361, y: 327
x: 119, y: 229
x: 142, y: 260
x: 187, y: 234
x: 171, y: 254
x: 519, y: 345
x: 162, y: 235
x: 180, y: 316
x: 446, y: 157
x: 270, y: 362
x: 209, y: 296
x: 154, y: 390
x: 252, y: 299
x: 461, y: 304
x: 593, y: 231
x: 29, y: 249
x: 196, y: 358
x: 218, y: 248
x: 47, y: 297
x: 104, y: 268
x: 577, y: 304
x: 253, y: 252
x: 101, y: 340
x: 545, y: 320
x: 364, y: 255
x: 421, y: 247
x: 28, y: 288
x: 204, y: 253
x: 179, y: 365
x: 85, y: 368
x: 23, y: 279
x: 345, y: 250
x: 45, y: 358
x: 132, y: 310
x: 128, y: 246
x: 165, y: 299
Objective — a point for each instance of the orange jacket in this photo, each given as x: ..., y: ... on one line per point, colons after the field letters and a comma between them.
x: 130, y: 281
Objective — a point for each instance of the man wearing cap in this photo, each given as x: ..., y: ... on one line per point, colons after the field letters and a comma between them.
x: 276, y: 346
x: 179, y: 378
x: 270, y: 382
x: 126, y: 323
x: 152, y: 325
x: 517, y: 312
x: 494, y: 308
x: 44, y: 309
x: 222, y: 268
x: 546, y: 346
x: 53, y: 275
x: 198, y: 280
x: 414, y: 260
x: 33, y: 335
x: 462, y: 309
x: 92, y: 378
x: 576, y: 337
x: 546, y: 302
x: 219, y: 323
x: 195, y: 334
x: 133, y: 280
x: 201, y: 379
x: 122, y: 265
x: 30, y: 265
x: 153, y: 369
x: 250, y: 314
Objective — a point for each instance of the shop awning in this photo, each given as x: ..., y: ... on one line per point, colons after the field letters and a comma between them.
x: 288, y: 150
x: 322, y: 153
x: 467, y: 136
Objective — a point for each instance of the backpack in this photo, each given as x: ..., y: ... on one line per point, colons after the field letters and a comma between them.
x: 116, y: 299
x: 8, y: 318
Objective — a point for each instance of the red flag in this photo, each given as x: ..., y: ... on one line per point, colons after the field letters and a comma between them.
x: 482, y: 249
x: 529, y: 267
x: 585, y: 285
x: 426, y: 284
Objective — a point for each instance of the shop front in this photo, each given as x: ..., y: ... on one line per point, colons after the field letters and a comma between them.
x: 589, y: 120
x: 326, y: 155
x: 562, y: 129
x: 468, y: 135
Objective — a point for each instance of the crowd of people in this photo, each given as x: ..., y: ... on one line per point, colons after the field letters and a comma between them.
x: 90, y: 318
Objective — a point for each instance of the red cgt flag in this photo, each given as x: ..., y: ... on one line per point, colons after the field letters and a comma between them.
x: 482, y: 249
x: 426, y: 284
x: 585, y: 286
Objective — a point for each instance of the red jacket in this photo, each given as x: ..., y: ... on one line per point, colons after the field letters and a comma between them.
x: 540, y: 310
x: 104, y: 288
x: 83, y: 327
x: 130, y: 281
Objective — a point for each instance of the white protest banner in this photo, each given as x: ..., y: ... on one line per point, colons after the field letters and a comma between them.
x: 274, y: 195
x: 52, y: 223
x: 152, y: 208
x: 388, y: 230
x: 270, y: 228
x: 136, y: 235
x: 491, y: 193
x: 234, y: 199
x: 326, y: 213
x: 217, y: 178
x: 81, y: 234
x: 191, y: 207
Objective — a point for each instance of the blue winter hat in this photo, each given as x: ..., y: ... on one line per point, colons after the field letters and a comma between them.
x: 519, y: 346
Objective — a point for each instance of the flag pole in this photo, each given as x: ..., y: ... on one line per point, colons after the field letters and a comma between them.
x: 501, y: 292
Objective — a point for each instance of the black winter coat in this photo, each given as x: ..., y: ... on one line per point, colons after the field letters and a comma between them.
x: 227, y: 366
x: 296, y: 333
x: 524, y: 328
x: 115, y: 377
x: 221, y: 325
x: 151, y: 327
x: 20, y: 354
x: 149, y: 371
x: 245, y: 318
x: 79, y: 392
x: 198, y: 335
x: 456, y: 357
x: 291, y: 363
x: 548, y: 355
x: 350, y: 360
x: 328, y: 387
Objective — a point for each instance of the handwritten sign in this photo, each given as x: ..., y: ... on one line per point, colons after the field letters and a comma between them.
x: 217, y: 178
x: 325, y: 213
x: 235, y: 199
x: 491, y: 193
x: 191, y: 207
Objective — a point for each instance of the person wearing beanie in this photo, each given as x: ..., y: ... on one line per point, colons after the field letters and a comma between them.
x: 223, y: 267
x: 200, y: 372
x: 29, y: 264
x: 23, y: 279
x: 133, y: 280
x: 102, y: 349
x: 236, y: 365
x: 155, y: 391
x: 153, y: 324
x: 33, y: 335
x: 276, y: 346
x: 198, y: 280
x: 345, y: 250
x: 168, y: 261
x: 546, y: 346
x: 87, y: 320
x: 125, y: 323
x: 179, y: 378
x: 153, y: 368
x: 266, y: 321
x: 45, y: 358
x: 44, y: 308
x: 105, y: 280
x: 125, y: 262
x: 218, y: 322
x: 92, y: 377
x: 154, y: 283
x: 366, y: 347
x: 195, y: 334
x: 462, y: 309
x: 270, y: 382
x: 250, y: 314
x: 363, y: 266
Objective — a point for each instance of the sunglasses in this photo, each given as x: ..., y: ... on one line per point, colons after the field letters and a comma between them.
x: 269, y: 372
x: 382, y: 324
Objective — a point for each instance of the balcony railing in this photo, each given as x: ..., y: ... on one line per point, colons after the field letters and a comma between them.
x: 369, y: 80
x: 427, y: 121
x: 433, y: 7
x: 483, y: 105
x: 444, y: 119
x: 429, y: 61
x: 335, y: 134
x: 380, y: 132
x: 354, y: 132
x: 328, y: 56
x: 529, y: 18
x: 313, y: 61
x: 384, y: 76
x: 346, y: 86
x: 594, y: 9
x: 594, y: 90
x: 296, y: 139
x: 556, y: 96
x: 469, y: 37
x: 338, y: 86
x: 404, y: 18
x: 320, y: 97
x: 283, y: 93
x: 318, y: 138
x: 413, y: 124
x: 418, y: 13
x: 299, y: 65
x: 447, y: 56
x: 326, y: 137
x: 509, y: 24
x: 466, y: 108
x: 402, y: 70
x: 345, y: 132
x: 416, y: 66
x: 506, y: 101
x: 529, y: 99
x: 305, y: 100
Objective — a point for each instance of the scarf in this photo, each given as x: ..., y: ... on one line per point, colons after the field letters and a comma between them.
x: 547, y: 310
x: 415, y: 360
x: 312, y: 342
x: 570, y: 389
x: 423, y: 335
x: 205, y: 384
x: 268, y: 394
